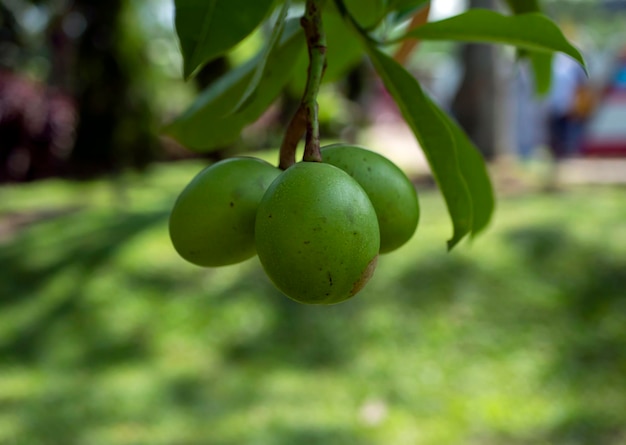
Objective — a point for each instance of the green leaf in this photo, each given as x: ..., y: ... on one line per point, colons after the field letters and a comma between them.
x: 434, y: 136
x: 208, y: 123
x: 474, y: 172
x: 541, y: 64
x: 367, y: 13
x: 534, y: 32
x: 404, y: 9
x: 278, y: 27
x: 208, y: 28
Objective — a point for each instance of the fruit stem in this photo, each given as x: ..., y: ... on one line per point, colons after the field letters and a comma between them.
x: 295, y: 131
x: 306, y: 117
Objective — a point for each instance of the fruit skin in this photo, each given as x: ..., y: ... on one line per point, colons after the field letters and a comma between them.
x: 317, y: 234
x: 212, y: 222
x: 392, y: 194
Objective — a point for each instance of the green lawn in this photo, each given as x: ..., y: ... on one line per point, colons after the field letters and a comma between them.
x: 108, y: 338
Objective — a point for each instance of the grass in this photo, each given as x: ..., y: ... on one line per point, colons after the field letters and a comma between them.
x: 108, y: 338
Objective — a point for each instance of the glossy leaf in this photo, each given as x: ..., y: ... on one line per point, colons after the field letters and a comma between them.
x: 208, y: 28
x: 209, y: 124
x: 434, y: 136
x: 277, y: 31
x: 474, y: 171
x: 534, y: 32
x: 541, y: 63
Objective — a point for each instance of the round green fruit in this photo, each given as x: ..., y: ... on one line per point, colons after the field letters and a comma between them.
x: 317, y: 234
x: 392, y: 194
x: 212, y: 222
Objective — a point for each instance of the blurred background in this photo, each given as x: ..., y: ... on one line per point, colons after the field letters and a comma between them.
x: 108, y: 337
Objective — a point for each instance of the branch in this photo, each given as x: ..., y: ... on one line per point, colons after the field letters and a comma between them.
x: 306, y: 117
x: 295, y: 131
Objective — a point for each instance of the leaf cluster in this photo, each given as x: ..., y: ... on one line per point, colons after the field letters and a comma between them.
x: 210, y: 28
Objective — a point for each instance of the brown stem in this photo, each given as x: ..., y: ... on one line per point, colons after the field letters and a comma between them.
x: 295, y: 131
x: 312, y: 151
x: 306, y: 118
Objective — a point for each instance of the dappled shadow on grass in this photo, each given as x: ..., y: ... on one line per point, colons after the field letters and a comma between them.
x: 73, y: 339
x: 576, y: 429
x: 75, y: 244
x: 558, y: 294
x: 587, y: 327
x: 590, y: 288
x: 589, y: 428
x: 82, y: 410
x: 307, y: 336
x: 318, y: 436
x: 434, y: 284
x: 74, y: 249
x: 12, y: 222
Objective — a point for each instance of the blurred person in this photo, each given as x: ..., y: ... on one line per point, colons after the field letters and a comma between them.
x: 619, y: 78
x: 569, y: 104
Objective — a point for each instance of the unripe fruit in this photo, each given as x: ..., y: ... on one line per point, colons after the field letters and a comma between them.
x: 212, y: 222
x: 392, y: 194
x: 317, y: 234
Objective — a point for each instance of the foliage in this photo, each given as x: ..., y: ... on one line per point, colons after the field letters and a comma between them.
x: 541, y: 63
x: 221, y: 113
x: 207, y: 29
x: 107, y: 337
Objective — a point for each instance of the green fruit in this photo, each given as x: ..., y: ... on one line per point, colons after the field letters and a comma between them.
x: 392, y: 194
x: 212, y: 222
x: 317, y: 234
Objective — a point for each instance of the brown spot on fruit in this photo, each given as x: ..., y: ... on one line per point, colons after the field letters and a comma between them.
x: 365, y: 276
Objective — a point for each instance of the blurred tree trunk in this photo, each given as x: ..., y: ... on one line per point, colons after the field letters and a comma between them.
x: 474, y: 105
x: 9, y: 36
x: 115, y: 121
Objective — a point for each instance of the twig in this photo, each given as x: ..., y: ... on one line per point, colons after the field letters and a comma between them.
x: 306, y: 117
